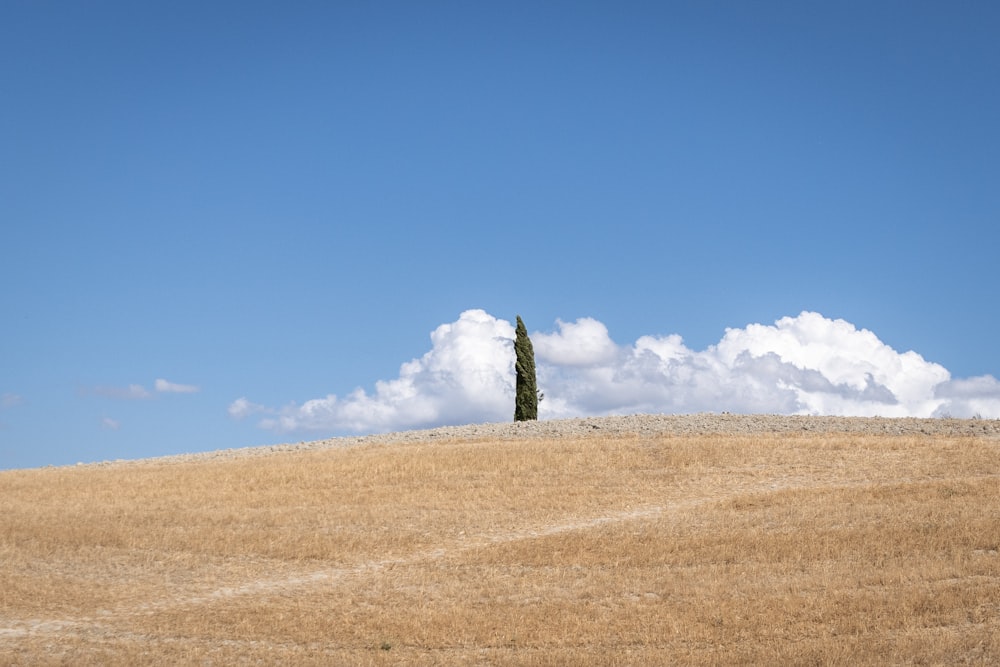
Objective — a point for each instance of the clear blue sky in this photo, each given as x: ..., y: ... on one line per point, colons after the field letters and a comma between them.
x: 279, y: 202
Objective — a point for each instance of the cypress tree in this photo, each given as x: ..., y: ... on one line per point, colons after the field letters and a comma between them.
x: 526, y: 389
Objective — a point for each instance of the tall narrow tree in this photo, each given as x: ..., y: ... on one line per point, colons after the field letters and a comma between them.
x: 526, y: 388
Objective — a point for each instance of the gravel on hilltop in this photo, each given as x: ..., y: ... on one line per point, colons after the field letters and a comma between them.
x: 642, y: 425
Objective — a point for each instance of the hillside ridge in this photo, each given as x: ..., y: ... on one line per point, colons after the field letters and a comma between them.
x: 616, y: 425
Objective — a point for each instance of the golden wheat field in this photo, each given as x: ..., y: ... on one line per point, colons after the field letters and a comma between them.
x: 809, y: 549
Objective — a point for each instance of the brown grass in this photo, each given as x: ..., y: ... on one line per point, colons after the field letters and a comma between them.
x: 818, y: 549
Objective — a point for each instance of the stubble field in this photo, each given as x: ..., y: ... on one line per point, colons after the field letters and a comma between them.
x: 609, y: 548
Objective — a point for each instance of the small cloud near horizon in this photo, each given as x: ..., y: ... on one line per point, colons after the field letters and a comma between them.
x: 807, y: 364
x: 166, y: 387
x: 242, y: 408
x: 109, y: 424
x: 9, y: 400
x: 135, y: 392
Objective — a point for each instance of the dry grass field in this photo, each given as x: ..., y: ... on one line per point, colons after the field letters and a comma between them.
x: 832, y: 549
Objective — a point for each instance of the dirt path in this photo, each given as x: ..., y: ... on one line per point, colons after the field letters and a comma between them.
x: 289, y: 583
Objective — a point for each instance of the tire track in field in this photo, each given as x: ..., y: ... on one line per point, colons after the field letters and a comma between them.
x: 16, y: 628
x: 100, y: 624
x: 278, y: 585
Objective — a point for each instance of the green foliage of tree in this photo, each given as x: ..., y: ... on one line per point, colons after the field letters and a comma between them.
x: 526, y: 389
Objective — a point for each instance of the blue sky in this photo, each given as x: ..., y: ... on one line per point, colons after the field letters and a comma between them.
x: 231, y: 224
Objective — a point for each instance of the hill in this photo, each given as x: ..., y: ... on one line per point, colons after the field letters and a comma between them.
x: 712, y: 539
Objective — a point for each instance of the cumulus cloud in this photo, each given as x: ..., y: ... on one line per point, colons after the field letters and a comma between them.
x: 807, y: 364
x: 467, y: 374
x: 581, y: 343
x: 165, y: 387
x: 969, y: 397
x: 800, y: 365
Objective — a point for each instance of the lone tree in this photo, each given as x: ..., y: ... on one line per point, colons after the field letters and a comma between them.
x: 526, y: 389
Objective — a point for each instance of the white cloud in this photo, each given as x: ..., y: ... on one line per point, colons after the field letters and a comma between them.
x: 165, y: 387
x: 971, y: 397
x: 9, y: 400
x: 466, y: 375
x: 582, y: 343
x: 241, y: 408
x: 139, y: 392
x: 806, y: 364
x: 109, y: 424
x: 131, y: 392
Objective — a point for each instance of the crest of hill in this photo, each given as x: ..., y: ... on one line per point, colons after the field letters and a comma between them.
x: 642, y: 424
